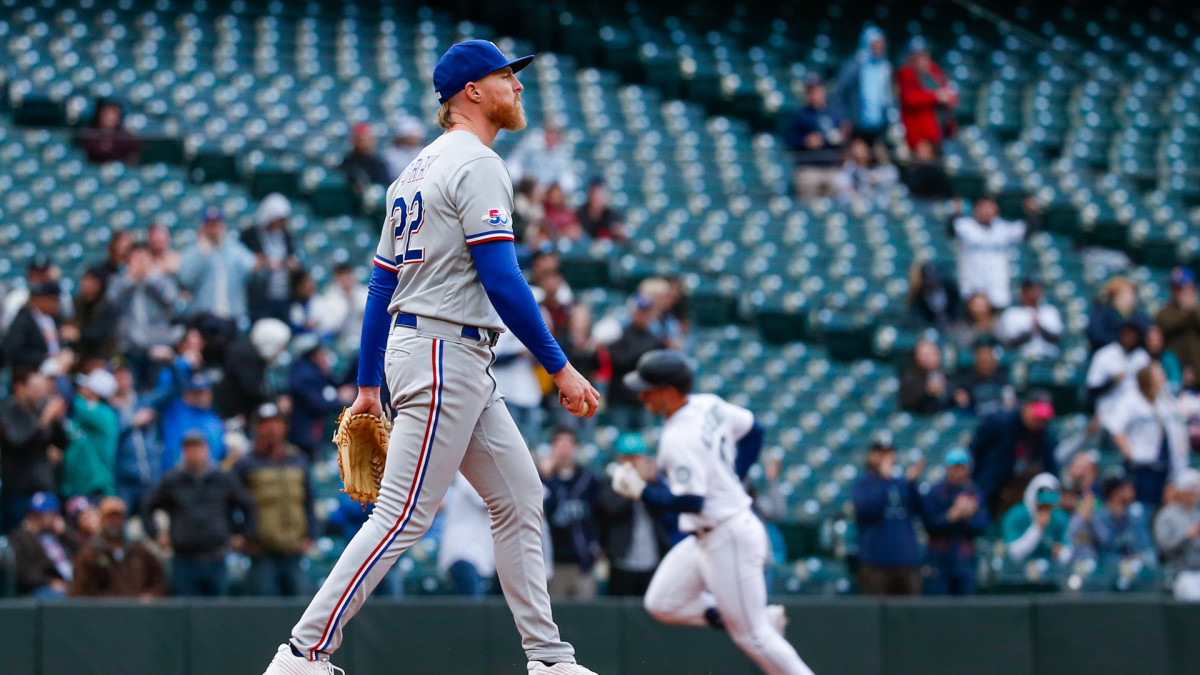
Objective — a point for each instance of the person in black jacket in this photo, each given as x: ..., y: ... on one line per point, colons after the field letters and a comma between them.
x: 985, y: 388
x: 924, y: 387
x: 96, y: 319
x: 314, y: 395
x: 268, y: 289
x: 954, y: 514
x: 244, y: 386
x: 106, y: 139
x: 42, y: 555
x: 570, y: 502
x: 363, y: 165
x: 926, y: 177
x: 623, y: 405
x: 1009, y: 448
x: 34, y: 333
x: 886, y: 506
x: 932, y: 296
x: 633, y: 536
x: 596, y: 215
x: 210, y: 512
x: 32, y: 439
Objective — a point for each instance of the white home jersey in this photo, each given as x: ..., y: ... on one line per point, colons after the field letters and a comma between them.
x: 985, y: 258
x: 1144, y: 423
x: 456, y: 193
x: 1108, y: 362
x: 696, y: 452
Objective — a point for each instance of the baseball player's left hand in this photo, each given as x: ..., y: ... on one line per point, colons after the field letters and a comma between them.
x: 575, y: 393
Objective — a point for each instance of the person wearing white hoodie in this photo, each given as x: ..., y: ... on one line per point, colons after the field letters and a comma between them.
x: 1037, y: 527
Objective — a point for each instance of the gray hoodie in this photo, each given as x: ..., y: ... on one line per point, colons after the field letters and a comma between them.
x: 1171, y: 534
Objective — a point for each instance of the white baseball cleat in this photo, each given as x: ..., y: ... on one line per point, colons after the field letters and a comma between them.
x: 777, y: 615
x: 287, y: 663
x: 539, y: 668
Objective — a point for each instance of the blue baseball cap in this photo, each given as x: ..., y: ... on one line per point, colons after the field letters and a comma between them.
x: 642, y: 301
x: 43, y: 502
x: 630, y: 443
x: 197, y: 382
x: 1048, y: 496
x: 1182, y: 276
x: 467, y: 62
x: 957, y: 456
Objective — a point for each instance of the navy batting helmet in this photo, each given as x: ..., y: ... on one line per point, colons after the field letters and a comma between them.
x: 661, y: 368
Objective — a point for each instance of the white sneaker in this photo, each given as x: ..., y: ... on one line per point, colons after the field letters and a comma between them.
x: 539, y: 668
x: 287, y: 663
x: 777, y: 615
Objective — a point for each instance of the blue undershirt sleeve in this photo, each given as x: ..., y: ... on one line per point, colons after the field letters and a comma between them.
x: 376, y: 323
x: 496, y: 263
x: 748, y: 449
x: 658, y: 494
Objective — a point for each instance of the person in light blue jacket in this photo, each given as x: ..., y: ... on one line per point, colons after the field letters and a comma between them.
x: 864, y: 86
x: 214, y: 271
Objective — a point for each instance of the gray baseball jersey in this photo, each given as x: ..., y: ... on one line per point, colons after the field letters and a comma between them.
x: 455, y: 194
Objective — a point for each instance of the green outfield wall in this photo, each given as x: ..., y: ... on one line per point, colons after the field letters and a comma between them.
x: 1009, y: 635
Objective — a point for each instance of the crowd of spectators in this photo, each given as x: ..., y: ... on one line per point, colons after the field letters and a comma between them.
x: 974, y: 321
x: 1044, y: 500
x: 180, y: 396
x: 839, y: 137
x: 190, y: 391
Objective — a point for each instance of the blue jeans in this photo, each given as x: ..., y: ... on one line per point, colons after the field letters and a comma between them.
x: 1149, y: 481
x: 47, y: 593
x: 132, y: 494
x: 276, y: 574
x: 199, y: 575
x: 950, y: 575
x: 466, y: 580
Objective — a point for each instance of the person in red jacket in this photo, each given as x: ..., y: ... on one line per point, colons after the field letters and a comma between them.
x: 927, y: 98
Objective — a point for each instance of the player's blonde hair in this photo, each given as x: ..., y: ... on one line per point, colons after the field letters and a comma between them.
x: 443, y: 115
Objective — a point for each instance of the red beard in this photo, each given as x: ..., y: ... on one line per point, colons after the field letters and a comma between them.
x: 510, y: 116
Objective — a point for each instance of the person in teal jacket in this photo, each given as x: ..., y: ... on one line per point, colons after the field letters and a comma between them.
x: 1037, y: 528
x: 93, y: 428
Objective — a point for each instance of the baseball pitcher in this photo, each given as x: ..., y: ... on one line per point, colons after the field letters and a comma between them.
x: 445, y: 283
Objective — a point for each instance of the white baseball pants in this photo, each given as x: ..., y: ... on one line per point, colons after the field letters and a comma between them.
x: 725, y: 568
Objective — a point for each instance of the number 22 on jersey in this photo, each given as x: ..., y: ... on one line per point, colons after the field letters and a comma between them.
x: 406, y: 222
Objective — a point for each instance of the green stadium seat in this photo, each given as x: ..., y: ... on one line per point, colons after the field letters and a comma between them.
x: 39, y: 111
x: 213, y: 166
x: 332, y: 196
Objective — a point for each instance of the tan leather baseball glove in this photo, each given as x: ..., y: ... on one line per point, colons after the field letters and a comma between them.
x: 362, y: 442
